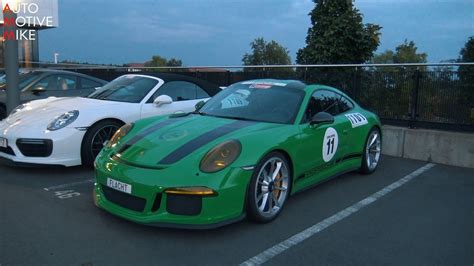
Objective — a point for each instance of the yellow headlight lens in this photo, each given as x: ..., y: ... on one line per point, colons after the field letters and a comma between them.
x: 220, y: 156
x: 119, y: 134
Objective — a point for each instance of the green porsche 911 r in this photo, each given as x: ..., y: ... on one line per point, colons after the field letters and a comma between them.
x: 242, y: 153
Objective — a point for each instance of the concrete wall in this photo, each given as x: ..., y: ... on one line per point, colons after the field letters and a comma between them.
x: 443, y: 147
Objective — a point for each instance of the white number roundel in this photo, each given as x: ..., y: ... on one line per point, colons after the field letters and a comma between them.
x: 330, y: 142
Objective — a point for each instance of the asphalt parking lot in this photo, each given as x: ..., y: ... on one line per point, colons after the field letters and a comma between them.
x: 400, y: 215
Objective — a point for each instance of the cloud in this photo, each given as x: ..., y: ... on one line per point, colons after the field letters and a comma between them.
x: 143, y: 28
x: 299, y: 8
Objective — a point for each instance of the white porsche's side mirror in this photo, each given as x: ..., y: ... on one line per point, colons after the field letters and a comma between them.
x: 162, y: 99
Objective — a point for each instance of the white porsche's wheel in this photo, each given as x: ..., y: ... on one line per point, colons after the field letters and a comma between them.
x: 95, y: 139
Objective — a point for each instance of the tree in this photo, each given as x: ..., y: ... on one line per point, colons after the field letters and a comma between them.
x: 383, y: 58
x: 466, y: 78
x: 337, y: 35
x: 407, y: 53
x: 392, y: 87
x: 404, y: 53
x: 266, y: 53
x: 173, y: 62
x: 466, y: 73
x: 158, y: 61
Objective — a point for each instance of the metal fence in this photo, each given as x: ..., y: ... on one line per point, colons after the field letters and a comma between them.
x: 437, y: 96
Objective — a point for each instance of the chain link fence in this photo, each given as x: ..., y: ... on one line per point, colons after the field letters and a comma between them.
x: 437, y: 96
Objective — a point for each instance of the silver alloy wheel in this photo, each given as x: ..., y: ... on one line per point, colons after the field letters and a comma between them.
x: 271, y: 188
x: 101, y: 137
x: 372, y: 151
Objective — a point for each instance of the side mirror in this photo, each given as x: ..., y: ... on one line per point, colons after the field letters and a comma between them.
x: 162, y: 99
x: 199, y: 105
x: 37, y: 90
x: 322, y: 118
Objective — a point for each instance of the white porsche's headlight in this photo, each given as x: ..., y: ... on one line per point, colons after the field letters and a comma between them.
x: 63, y: 120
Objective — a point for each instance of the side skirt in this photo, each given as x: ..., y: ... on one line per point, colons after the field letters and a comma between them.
x: 325, y: 180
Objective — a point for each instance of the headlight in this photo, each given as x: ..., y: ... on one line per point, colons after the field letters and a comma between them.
x: 220, y: 156
x: 18, y: 108
x: 119, y: 134
x: 63, y: 120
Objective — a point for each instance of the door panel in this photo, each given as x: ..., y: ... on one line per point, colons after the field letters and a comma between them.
x: 324, y: 146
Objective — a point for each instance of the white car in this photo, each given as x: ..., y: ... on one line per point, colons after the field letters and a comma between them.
x: 72, y: 131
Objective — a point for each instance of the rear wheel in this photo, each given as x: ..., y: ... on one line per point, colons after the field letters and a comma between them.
x: 371, y: 153
x: 95, y: 139
x: 269, y: 188
x: 3, y: 112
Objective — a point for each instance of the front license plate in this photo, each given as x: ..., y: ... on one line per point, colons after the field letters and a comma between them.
x: 3, y: 143
x: 120, y: 186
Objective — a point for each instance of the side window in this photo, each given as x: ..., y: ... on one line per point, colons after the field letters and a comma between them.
x: 67, y: 82
x: 180, y: 91
x: 200, y: 93
x: 322, y: 101
x: 57, y: 82
x: 49, y: 83
x: 89, y: 84
x: 345, y: 105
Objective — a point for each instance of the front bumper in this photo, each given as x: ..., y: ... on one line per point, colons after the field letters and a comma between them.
x: 150, y: 204
x: 61, y: 147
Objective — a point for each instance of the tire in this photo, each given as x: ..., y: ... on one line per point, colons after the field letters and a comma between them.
x: 371, y: 152
x: 261, y: 208
x: 95, y: 138
x: 3, y: 112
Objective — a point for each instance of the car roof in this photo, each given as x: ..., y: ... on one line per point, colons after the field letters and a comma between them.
x: 288, y: 83
x: 210, y: 88
x: 60, y: 71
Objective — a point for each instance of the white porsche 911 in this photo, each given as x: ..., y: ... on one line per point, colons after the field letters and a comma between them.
x: 72, y: 131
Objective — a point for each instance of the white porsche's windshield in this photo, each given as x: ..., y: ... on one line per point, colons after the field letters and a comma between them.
x: 131, y: 89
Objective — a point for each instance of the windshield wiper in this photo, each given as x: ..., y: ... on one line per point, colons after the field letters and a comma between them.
x: 236, y: 118
x: 198, y: 113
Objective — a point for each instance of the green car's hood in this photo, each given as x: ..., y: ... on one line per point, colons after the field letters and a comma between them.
x: 168, y: 141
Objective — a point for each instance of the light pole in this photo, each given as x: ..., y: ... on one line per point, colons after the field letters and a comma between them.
x: 11, y: 57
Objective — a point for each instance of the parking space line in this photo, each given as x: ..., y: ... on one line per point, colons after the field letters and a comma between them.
x: 311, y: 231
x: 69, y: 184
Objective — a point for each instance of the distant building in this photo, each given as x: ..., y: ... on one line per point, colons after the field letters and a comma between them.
x: 34, y: 16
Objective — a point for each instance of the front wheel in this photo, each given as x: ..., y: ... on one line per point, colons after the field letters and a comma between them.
x: 371, y: 153
x: 269, y: 188
x: 95, y: 139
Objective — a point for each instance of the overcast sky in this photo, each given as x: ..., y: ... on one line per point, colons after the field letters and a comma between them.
x: 218, y: 32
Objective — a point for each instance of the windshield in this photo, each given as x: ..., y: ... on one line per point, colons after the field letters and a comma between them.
x: 24, y: 79
x: 126, y: 88
x: 259, y: 101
